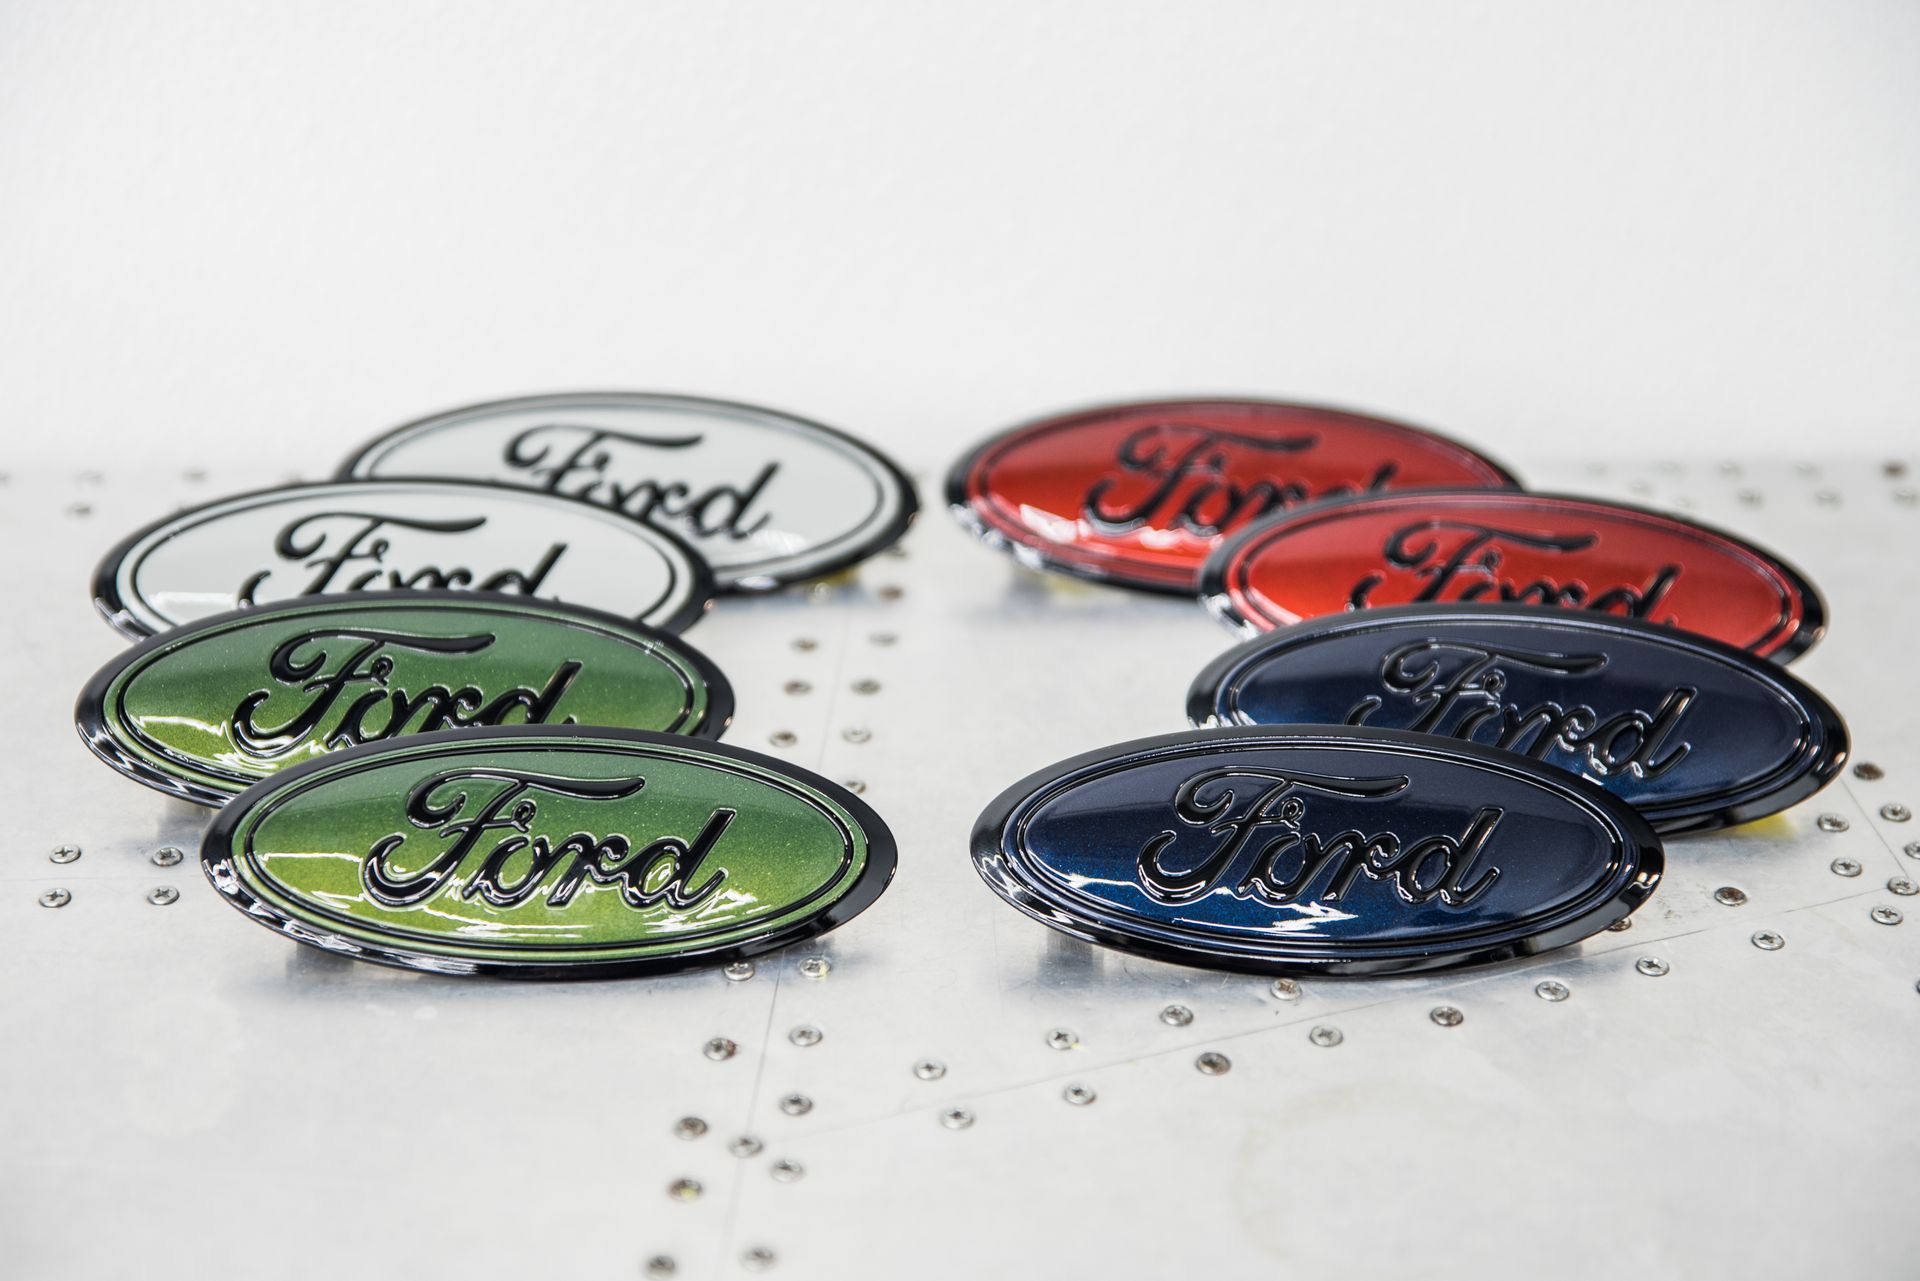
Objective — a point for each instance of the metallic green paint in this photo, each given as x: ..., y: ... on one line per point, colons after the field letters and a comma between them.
x: 206, y: 710
x: 534, y: 852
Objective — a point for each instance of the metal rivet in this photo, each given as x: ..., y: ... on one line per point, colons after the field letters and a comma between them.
x: 1902, y: 886
x: 866, y: 685
x: 739, y: 971
x: 1884, y: 915
x: 1768, y: 941
x: 1446, y: 1016
x: 1062, y: 1038
x: 685, y: 1189
x: 79, y: 509
x: 929, y: 1069
x: 660, y: 1267
x: 719, y: 1048
x: 1894, y: 812
x: 1845, y: 866
x: 1079, y: 1095
x: 891, y: 592
x: 816, y: 967
x: 758, y: 1259
x: 806, y: 1035
x: 1552, y: 990
x: 1831, y: 823
x: 167, y: 856
x: 1326, y: 1036
x: 796, y: 1105
x: 856, y: 733
x: 1827, y: 498
x: 786, y: 1170
x: 1213, y: 1063
x: 1621, y: 926
x: 689, y: 1127
x: 745, y: 1146
x: 956, y: 1118
x: 1751, y: 497
x: 1651, y: 966
x: 805, y: 643
x: 162, y: 895
x: 857, y: 786
x: 883, y: 639
x: 797, y: 687
x: 64, y: 854
x: 1869, y: 771
x: 55, y: 898
x: 783, y: 738
x: 1286, y: 989
x: 1730, y: 896
x: 1176, y: 1016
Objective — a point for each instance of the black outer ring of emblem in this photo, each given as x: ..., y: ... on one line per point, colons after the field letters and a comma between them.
x: 991, y: 862
x: 882, y: 860
x: 1813, y: 614
x: 1813, y: 767
x: 881, y: 539
x: 1036, y: 559
x: 106, y: 593
x: 89, y: 711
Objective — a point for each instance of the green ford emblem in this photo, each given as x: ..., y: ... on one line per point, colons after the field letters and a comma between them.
x: 535, y: 852
x: 206, y: 710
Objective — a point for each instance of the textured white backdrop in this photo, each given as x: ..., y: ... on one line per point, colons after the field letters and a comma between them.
x: 272, y: 229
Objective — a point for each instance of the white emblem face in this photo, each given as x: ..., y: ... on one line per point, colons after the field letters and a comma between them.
x: 765, y: 497
x: 306, y: 540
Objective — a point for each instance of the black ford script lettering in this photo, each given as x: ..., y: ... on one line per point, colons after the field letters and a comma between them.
x: 1460, y: 689
x: 1187, y: 464
x: 299, y: 664
x: 1284, y: 861
x: 359, y: 542
x: 581, y: 472
x: 662, y: 871
x: 1461, y: 560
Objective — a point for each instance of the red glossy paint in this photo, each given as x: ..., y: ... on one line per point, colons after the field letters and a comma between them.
x: 1460, y: 545
x: 1139, y: 494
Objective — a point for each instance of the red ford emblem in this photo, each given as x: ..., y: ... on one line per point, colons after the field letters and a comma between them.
x: 1471, y: 545
x: 1139, y: 494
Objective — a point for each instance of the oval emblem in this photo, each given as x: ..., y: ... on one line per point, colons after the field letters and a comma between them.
x: 1303, y: 849
x: 1542, y: 549
x: 305, y: 540
x: 537, y: 852
x: 766, y: 497
x: 1694, y: 734
x: 206, y: 710
x: 1139, y: 494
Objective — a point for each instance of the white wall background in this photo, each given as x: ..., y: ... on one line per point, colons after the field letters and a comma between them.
x: 269, y: 229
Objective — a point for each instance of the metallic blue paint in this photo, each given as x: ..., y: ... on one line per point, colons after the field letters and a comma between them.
x: 1300, y: 849
x: 1695, y: 734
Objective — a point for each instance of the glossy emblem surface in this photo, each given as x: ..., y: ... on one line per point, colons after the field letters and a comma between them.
x: 1694, y: 734
x: 1138, y: 494
x: 306, y: 540
x: 1546, y: 549
x: 1301, y: 849
x: 766, y: 498
x: 206, y: 710
x: 535, y: 852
